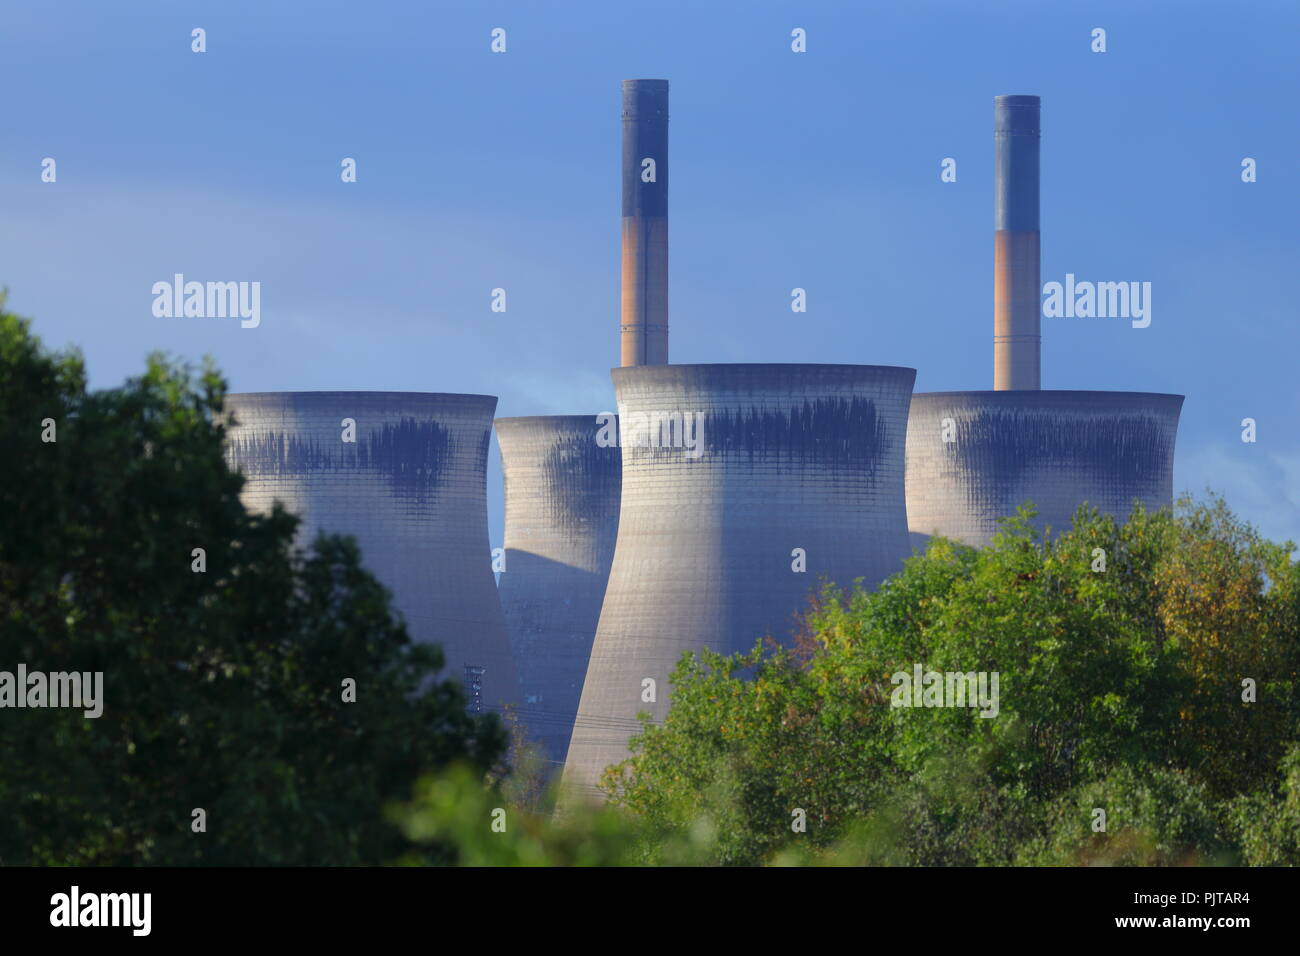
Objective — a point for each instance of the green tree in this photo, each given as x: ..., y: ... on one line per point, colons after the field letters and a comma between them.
x: 1268, y: 820
x: 222, y: 689
x: 1230, y: 602
x: 1153, y: 817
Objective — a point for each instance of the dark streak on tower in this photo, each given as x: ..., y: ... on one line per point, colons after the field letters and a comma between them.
x: 644, y: 323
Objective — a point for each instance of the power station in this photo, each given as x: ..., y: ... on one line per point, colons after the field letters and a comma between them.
x: 405, y: 473
x: 717, y: 501
x: 974, y: 457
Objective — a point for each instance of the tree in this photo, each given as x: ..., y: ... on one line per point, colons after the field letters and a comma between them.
x: 1269, y: 821
x: 1230, y: 602
x: 222, y: 680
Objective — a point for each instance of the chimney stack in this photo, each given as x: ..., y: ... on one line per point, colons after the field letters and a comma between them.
x: 1017, y: 336
x: 644, y: 323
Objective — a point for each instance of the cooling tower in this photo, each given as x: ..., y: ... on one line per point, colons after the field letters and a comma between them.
x: 734, y: 478
x: 973, y: 457
x: 411, y: 489
x: 561, y: 503
x: 644, y: 321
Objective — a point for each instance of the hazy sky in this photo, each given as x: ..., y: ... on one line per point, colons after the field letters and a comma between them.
x: 818, y: 170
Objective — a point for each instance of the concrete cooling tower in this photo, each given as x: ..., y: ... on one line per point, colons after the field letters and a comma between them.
x: 973, y: 457
x: 411, y: 488
x: 743, y: 487
x: 561, y: 495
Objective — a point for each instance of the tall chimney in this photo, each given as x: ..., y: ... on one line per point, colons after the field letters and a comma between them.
x: 644, y: 323
x: 1017, y: 338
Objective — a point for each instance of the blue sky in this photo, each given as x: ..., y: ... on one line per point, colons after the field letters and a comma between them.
x: 818, y: 170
